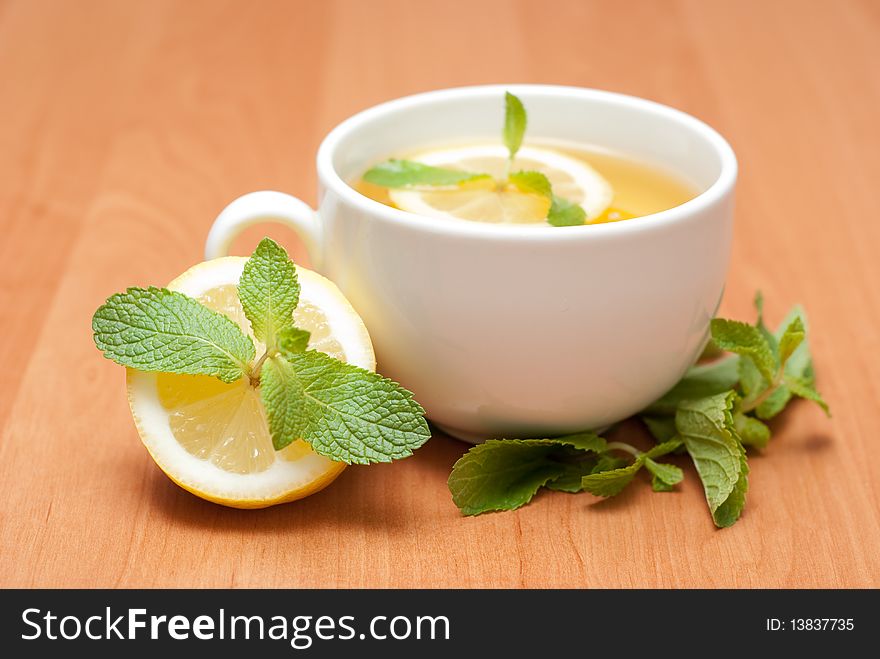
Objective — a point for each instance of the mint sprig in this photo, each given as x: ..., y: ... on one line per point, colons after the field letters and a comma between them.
x: 714, y: 414
x: 505, y: 474
x: 562, y: 213
x: 269, y: 292
x: 396, y: 173
x: 400, y: 173
x: 344, y: 412
x: 515, y: 122
x: 612, y: 481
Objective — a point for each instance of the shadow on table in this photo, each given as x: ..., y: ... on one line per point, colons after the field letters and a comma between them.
x: 372, y: 497
x: 389, y: 498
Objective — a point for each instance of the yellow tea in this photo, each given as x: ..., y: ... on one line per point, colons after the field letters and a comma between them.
x: 609, y: 186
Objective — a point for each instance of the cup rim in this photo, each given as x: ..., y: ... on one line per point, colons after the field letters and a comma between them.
x: 721, y: 187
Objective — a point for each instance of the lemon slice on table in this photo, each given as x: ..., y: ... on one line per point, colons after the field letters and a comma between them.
x: 212, y: 438
x: 482, y: 201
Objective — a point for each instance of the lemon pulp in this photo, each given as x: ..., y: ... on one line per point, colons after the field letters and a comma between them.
x: 488, y: 200
x: 226, y: 423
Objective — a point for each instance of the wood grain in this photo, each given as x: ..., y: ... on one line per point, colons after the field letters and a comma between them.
x: 128, y: 125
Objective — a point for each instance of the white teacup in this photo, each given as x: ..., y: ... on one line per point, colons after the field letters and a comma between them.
x: 519, y: 331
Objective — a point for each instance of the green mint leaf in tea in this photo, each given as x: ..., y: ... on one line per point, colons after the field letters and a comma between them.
x: 476, y: 182
x: 564, y: 213
x: 396, y: 173
x: 515, y: 121
x: 532, y: 183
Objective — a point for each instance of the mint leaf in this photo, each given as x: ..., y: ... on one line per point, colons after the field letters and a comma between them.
x: 664, y: 448
x: 532, y: 183
x: 609, y: 478
x: 800, y: 362
x: 154, y: 329
x: 659, y: 486
x: 396, y: 173
x: 803, y: 388
x: 292, y: 340
x: 700, y: 381
x: 774, y: 404
x: 506, y: 474
x: 585, y: 441
x: 730, y: 510
x: 665, y: 475
x: 710, y: 352
x: 612, y: 482
x: 514, y: 123
x: 707, y: 428
x: 751, y: 431
x: 751, y: 381
x: 269, y: 291
x: 579, y: 446
x: 772, y: 340
x: 284, y: 399
x: 573, y: 473
x: 607, y: 462
x: 792, y: 338
x: 503, y: 474
x: 747, y: 340
x: 564, y: 213
x: 799, y: 365
x: 354, y: 415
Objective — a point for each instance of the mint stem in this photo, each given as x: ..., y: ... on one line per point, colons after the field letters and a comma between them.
x: 753, y: 404
x: 622, y: 446
x: 254, y: 373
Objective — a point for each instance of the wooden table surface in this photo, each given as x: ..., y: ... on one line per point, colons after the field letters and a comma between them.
x: 126, y: 126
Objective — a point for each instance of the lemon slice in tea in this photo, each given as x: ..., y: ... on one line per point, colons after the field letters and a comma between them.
x: 483, y: 201
x: 212, y: 438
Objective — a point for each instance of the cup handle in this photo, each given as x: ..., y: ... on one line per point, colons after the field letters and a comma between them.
x: 262, y: 207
